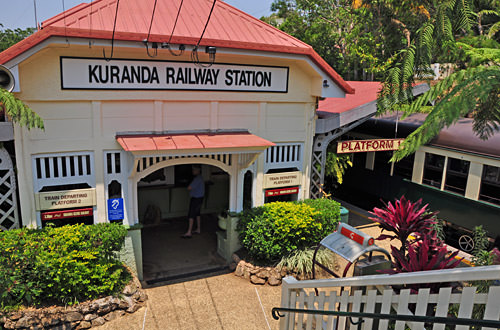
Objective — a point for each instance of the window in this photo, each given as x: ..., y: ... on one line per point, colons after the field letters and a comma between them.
x: 359, y: 160
x: 404, y: 168
x: 382, y: 163
x: 113, y: 163
x: 433, y: 170
x: 456, y: 175
x: 283, y: 155
x: 114, y: 189
x: 63, y: 169
x: 490, y: 185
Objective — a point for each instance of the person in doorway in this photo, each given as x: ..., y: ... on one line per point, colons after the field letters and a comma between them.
x: 196, y: 192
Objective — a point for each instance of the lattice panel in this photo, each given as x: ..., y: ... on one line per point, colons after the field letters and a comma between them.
x: 8, y: 199
x: 316, y: 175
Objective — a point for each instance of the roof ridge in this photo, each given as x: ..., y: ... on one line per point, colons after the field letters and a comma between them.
x: 251, y: 18
x: 70, y: 11
x: 230, y: 28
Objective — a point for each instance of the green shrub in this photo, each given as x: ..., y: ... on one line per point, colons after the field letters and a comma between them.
x: 328, y: 212
x: 60, y: 265
x: 301, y: 261
x: 274, y: 230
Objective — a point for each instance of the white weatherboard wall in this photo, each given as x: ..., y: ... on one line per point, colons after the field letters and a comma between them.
x: 87, y: 121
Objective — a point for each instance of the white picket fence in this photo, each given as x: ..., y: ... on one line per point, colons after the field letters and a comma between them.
x: 375, y: 294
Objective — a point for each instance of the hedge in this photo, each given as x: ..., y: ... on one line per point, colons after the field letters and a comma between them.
x: 274, y: 230
x: 61, y: 265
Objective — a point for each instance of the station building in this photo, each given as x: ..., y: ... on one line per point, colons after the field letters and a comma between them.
x: 132, y: 96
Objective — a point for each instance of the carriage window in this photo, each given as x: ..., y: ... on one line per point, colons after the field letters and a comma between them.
x: 456, y: 175
x: 433, y: 170
x: 490, y: 185
x: 359, y: 160
x: 404, y: 168
x: 382, y: 163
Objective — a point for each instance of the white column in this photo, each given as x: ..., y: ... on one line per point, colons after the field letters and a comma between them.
x: 100, y: 207
x: 233, y: 188
x: 418, y: 167
x: 474, y: 180
x: 101, y: 198
x: 308, y: 150
x: 259, y: 181
x: 370, y: 160
x: 25, y: 181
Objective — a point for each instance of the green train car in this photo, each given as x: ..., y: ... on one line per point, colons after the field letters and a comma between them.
x: 457, y: 174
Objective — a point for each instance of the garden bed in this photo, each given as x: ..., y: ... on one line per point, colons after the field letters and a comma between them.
x: 279, y: 238
x: 82, y: 316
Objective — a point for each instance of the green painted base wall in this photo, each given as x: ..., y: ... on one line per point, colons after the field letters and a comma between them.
x: 362, y: 184
x: 131, y: 253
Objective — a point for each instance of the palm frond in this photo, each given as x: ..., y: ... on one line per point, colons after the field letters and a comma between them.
x: 494, y: 30
x: 471, y: 88
x: 19, y: 112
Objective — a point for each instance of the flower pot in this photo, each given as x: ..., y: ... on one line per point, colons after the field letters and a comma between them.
x: 222, y: 222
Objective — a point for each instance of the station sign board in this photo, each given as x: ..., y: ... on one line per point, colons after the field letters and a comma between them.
x: 64, y: 199
x: 282, y: 191
x: 130, y: 74
x: 345, y: 147
x: 78, y: 213
x: 284, y: 179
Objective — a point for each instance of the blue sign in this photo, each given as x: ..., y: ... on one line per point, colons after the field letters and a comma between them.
x: 115, y: 209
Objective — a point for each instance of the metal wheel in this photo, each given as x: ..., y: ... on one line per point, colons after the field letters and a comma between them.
x: 466, y: 243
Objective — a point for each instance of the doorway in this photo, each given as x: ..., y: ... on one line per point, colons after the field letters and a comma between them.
x: 163, y: 203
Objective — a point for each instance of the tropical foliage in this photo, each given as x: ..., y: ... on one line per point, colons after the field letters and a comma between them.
x: 10, y: 37
x: 336, y: 165
x: 60, y: 265
x: 15, y: 109
x: 356, y: 37
x: 404, y: 218
x: 18, y: 111
x: 471, y: 90
x: 278, y: 229
x: 424, y: 249
x: 301, y: 261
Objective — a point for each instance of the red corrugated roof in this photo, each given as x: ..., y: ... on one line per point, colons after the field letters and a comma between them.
x: 193, y: 141
x: 366, y: 92
x: 228, y: 27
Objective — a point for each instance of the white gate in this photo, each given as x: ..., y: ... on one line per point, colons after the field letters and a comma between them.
x: 8, y: 199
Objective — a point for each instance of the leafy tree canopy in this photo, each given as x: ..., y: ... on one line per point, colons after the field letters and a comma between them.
x: 396, y: 41
x: 15, y: 109
x: 10, y: 37
x: 457, y: 34
x: 358, y: 38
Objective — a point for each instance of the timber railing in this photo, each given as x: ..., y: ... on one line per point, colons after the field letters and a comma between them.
x: 419, y: 300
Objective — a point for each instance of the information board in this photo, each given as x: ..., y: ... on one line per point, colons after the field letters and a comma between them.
x: 115, y: 209
x: 63, y: 199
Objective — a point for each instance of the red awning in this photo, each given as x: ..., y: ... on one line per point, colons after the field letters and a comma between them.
x: 190, y: 141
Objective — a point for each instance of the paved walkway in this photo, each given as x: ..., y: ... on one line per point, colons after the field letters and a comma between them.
x: 219, y: 302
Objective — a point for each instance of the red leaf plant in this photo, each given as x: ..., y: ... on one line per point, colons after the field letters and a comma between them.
x: 425, y: 251
x: 425, y: 254
x: 405, y: 218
